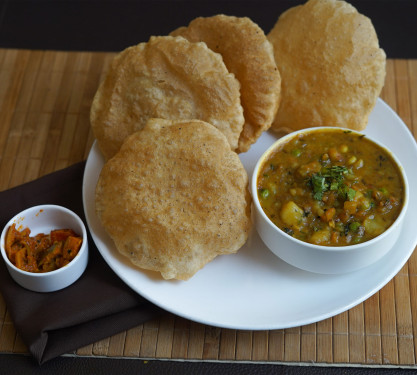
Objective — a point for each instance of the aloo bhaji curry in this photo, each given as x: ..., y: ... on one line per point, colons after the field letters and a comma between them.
x: 331, y: 187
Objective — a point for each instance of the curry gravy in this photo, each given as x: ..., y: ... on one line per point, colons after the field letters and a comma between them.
x: 331, y: 187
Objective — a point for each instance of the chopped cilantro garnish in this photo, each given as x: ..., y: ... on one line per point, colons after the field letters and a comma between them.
x: 318, y: 183
x: 335, y: 171
x: 331, y: 178
x: 334, y: 185
x: 350, y: 194
x: 288, y: 231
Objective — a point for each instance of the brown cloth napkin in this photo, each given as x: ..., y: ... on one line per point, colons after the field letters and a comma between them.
x: 96, y: 306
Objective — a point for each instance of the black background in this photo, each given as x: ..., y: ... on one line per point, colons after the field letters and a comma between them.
x: 96, y: 25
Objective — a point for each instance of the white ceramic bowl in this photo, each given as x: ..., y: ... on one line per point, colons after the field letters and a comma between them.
x: 317, y: 258
x: 43, y: 219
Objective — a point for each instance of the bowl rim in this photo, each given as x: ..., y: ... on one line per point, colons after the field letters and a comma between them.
x: 346, y: 248
x: 50, y: 273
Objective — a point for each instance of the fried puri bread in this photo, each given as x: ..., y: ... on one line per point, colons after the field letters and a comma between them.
x: 174, y: 197
x: 248, y: 54
x: 166, y: 77
x: 331, y: 66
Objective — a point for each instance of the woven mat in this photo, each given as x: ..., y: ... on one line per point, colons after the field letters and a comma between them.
x: 45, y: 98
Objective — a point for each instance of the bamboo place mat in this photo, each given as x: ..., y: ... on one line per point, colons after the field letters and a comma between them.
x: 45, y: 100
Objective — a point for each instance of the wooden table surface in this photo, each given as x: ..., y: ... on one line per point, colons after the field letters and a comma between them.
x: 45, y: 100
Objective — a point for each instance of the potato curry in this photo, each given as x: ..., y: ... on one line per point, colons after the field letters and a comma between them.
x: 332, y: 187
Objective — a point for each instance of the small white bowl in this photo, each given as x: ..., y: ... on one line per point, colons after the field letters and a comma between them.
x: 318, y: 258
x: 43, y: 219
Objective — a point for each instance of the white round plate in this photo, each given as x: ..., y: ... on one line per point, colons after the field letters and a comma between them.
x: 254, y: 289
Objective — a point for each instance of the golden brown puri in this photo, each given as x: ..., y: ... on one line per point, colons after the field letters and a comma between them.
x: 249, y: 56
x: 166, y: 77
x: 174, y: 197
x: 331, y: 66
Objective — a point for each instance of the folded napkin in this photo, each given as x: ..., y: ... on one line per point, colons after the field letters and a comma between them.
x: 96, y: 306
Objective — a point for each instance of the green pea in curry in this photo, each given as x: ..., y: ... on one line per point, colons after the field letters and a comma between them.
x: 331, y: 187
